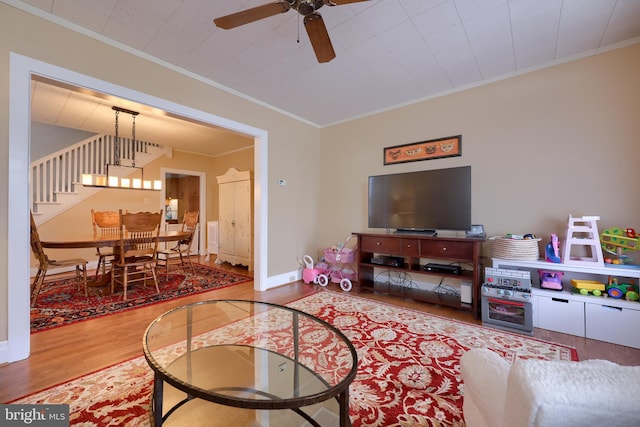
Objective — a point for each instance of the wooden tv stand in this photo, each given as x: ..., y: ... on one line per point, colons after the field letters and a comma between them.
x: 413, y: 248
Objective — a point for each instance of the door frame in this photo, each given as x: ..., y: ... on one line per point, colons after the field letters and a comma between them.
x: 202, y: 188
x: 21, y: 68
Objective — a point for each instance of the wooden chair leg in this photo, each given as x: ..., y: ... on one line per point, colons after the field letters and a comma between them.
x: 183, y: 263
x: 35, y: 281
x: 37, y: 285
x: 124, y: 282
x: 101, y: 261
x: 155, y: 278
x: 193, y: 269
x: 163, y: 262
x: 84, y: 280
x: 78, y: 277
x: 114, y: 272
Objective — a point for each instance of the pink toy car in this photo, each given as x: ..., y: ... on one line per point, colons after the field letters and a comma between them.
x: 309, y: 274
x: 551, y: 279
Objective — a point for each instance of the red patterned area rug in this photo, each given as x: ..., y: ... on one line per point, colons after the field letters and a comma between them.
x: 408, y: 367
x: 61, y: 303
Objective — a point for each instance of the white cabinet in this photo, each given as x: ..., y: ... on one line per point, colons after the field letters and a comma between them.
x: 605, y: 319
x: 558, y: 313
x: 612, y: 324
x: 235, y: 218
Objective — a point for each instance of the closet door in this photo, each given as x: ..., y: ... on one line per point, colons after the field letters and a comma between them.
x: 242, y: 215
x: 226, y: 219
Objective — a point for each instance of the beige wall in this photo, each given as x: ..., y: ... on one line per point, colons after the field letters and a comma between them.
x: 558, y: 141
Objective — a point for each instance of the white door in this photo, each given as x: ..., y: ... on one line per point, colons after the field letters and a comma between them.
x: 226, y: 219
x: 242, y: 214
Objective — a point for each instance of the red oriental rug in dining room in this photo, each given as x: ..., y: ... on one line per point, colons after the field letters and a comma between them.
x: 408, y: 367
x: 61, y: 303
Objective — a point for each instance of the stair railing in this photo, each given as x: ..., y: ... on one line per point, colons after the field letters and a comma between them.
x: 61, y: 171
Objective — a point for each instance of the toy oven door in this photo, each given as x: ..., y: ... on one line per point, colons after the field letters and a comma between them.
x: 510, y: 315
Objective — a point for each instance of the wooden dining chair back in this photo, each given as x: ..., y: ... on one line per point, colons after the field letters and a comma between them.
x: 105, y: 224
x: 135, y: 258
x: 45, y: 264
x: 181, y: 251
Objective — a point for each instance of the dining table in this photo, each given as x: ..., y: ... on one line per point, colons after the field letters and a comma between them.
x: 97, y: 240
x: 92, y: 240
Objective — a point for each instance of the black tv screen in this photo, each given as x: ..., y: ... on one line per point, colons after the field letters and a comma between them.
x: 421, y: 201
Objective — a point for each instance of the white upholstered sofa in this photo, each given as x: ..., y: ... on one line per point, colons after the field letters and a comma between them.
x: 536, y: 393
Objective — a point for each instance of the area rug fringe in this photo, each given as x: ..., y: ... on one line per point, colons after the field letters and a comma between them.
x: 408, y: 370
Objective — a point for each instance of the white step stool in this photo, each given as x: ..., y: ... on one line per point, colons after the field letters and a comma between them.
x: 582, y: 233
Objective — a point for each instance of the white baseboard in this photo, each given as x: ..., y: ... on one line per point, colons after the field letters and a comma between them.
x: 273, y: 281
x: 283, y: 279
x: 4, y: 352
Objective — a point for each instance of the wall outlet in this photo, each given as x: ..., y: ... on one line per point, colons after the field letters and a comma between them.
x: 282, y: 182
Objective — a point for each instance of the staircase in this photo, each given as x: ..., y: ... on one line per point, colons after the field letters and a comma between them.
x: 56, y: 180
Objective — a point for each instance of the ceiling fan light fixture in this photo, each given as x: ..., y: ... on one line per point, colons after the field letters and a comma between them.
x: 307, y: 7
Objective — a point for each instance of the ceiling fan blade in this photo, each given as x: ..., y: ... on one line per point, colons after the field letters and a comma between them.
x: 340, y: 2
x: 251, y: 15
x: 319, y: 37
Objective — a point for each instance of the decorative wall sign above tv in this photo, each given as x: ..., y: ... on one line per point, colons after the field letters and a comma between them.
x: 450, y: 146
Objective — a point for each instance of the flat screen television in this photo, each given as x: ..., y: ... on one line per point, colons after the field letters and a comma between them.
x: 421, y: 202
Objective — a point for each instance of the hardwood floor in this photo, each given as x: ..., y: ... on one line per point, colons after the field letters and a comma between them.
x: 71, y: 351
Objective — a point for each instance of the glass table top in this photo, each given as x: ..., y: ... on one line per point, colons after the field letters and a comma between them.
x: 250, y: 354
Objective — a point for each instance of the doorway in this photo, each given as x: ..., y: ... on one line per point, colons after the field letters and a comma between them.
x: 185, y: 191
x: 21, y: 69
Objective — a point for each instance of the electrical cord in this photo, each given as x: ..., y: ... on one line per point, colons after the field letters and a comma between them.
x: 403, y: 279
x: 395, y: 278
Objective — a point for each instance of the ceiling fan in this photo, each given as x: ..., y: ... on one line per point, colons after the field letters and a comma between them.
x: 313, y: 22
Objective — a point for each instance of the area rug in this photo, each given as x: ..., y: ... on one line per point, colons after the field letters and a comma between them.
x: 408, y: 367
x: 61, y: 303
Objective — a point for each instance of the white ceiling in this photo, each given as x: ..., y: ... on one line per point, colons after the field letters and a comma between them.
x: 56, y: 104
x: 388, y: 52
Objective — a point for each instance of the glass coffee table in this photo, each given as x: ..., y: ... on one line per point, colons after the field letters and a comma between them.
x: 236, y: 362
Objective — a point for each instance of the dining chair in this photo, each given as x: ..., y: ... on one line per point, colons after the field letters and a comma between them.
x: 135, y: 258
x: 105, y: 224
x: 181, y: 251
x: 45, y: 263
